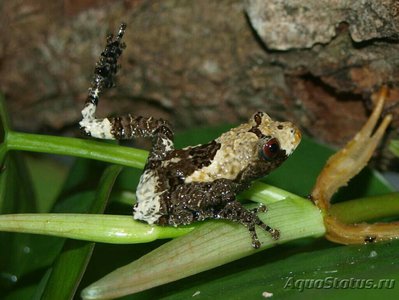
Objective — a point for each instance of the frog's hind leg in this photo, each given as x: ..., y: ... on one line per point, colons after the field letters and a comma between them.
x: 234, y: 211
x: 104, y: 78
x: 123, y: 127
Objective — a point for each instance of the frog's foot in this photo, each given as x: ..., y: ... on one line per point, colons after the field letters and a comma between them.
x: 273, y: 232
x: 260, y: 209
x: 234, y: 211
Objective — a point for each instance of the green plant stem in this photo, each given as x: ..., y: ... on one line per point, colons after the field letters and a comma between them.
x: 365, y: 209
x: 102, y: 151
x: 124, y: 230
x: 114, y: 229
x: 266, y: 193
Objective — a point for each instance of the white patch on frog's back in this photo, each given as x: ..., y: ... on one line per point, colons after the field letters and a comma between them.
x: 166, y: 163
x: 168, y: 144
x: 148, y: 200
x: 236, y: 152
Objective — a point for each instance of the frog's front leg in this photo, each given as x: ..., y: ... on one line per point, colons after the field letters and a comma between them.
x: 234, y: 211
x: 198, y: 201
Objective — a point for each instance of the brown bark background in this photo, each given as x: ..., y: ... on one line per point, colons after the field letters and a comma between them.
x: 203, y: 62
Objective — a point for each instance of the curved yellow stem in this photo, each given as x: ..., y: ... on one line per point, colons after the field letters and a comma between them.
x: 344, y: 165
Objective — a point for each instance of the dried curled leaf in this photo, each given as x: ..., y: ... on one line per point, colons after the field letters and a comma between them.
x: 344, y: 165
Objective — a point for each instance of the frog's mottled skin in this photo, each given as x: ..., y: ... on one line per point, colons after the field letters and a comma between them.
x: 181, y: 186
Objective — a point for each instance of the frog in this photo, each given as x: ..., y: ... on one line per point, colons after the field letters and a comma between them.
x: 195, y: 183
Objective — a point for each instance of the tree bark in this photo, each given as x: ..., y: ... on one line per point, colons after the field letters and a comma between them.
x: 204, y: 62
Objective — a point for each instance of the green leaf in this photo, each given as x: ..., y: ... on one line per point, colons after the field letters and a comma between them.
x: 282, y: 271
x: 4, y: 130
x: 16, y: 191
x: 4, y: 119
x: 46, y: 188
x: 16, y: 195
x: 394, y: 147
x: 69, y: 267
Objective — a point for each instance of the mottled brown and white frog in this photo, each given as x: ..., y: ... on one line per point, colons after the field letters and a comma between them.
x: 181, y: 186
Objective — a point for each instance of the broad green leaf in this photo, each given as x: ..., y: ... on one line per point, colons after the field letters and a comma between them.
x: 282, y: 271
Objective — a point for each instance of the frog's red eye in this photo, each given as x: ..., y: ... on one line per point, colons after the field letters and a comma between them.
x: 270, y: 149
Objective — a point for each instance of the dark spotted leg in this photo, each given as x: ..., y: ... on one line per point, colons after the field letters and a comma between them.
x: 128, y: 127
x: 197, y: 201
x: 262, y: 209
x: 104, y: 78
x: 124, y: 127
x: 234, y: 211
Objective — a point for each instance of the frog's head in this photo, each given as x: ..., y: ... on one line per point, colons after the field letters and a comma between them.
x: 249, y: 151
x: 276, y: 139
x: 272, y: 142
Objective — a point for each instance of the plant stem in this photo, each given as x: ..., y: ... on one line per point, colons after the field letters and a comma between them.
x: 102, y: 151
x: 366, y: 209
x: 266, y: 193
x: 107, y: 152
x: 115, y: 229
x: 124, y: 230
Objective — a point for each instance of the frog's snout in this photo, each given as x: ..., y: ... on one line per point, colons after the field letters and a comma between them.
x: 297, y: 136
x: 293, y: 140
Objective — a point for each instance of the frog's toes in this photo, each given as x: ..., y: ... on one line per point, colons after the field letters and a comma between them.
x: 255, y: 243
x: 275, y: 234
x: 260, y: 209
